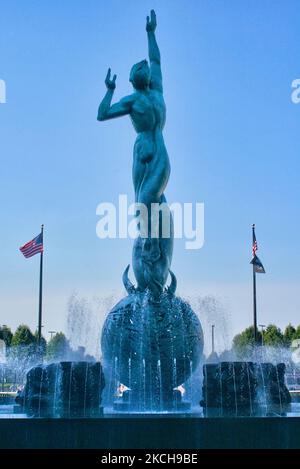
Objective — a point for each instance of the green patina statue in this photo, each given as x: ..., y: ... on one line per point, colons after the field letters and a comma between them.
x: 152, y: 253
x: 151, y: 340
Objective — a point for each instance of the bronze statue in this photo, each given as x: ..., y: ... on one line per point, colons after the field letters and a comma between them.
x: 151, y: 340
x: 152, y: 253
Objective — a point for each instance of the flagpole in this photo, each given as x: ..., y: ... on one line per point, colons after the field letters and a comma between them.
x: 254, y: 292
x: 41, y: 292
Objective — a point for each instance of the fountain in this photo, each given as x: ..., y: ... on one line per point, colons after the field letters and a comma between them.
x: 152, y: 340
x: 150, y: 345
x: 153, y: 335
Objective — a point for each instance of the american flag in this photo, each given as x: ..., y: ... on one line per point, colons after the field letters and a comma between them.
x: 33, y: 247
x: 254, y: 243
x: 256, y: 262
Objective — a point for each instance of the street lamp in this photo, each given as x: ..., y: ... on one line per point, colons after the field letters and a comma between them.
x: 51, y: 333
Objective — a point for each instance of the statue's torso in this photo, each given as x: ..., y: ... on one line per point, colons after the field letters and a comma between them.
x: 148, y: 111
x: 148, y: 116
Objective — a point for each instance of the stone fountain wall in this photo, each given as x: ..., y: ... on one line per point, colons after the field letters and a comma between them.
x: 244, y: 389
x: 64, y: 389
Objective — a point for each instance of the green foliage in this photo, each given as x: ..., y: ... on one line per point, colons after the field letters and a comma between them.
x: 23, y: 351
x: 289, y: 335
x: 23, y: 336
x: 58, y: 347
x: 273, y: 336
x: 297, y: 333
x: 6, y: 335
x: 243, y: 343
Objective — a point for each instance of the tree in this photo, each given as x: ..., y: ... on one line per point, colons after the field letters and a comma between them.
x: 243, y: 343
x: 297, y: 333
x: 22, y: 337
x: 22, y: 352
x: 58, y: 347
x: 289, y: 335
x: 6, y: 335
x: 273, y: 336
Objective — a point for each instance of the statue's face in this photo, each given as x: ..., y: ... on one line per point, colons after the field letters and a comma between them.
x: 140, y: 75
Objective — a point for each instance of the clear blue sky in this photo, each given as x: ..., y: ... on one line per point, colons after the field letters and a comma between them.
x: 232, y: 134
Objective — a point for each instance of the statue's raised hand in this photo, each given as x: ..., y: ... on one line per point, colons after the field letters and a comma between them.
x: 151, y: 22
x: 110, y: 84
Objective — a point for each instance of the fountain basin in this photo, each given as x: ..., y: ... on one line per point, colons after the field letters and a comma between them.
x: 146, y: 432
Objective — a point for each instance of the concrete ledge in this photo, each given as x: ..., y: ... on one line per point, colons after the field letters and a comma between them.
x: 151, y: 433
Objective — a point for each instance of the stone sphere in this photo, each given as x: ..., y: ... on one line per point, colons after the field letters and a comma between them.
x: 152, y: 346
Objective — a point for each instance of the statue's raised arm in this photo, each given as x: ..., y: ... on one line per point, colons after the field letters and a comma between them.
x: 106, y: 110
x: 154, y: 54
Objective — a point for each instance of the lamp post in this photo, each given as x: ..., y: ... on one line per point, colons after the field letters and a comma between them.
x: 51, y: 334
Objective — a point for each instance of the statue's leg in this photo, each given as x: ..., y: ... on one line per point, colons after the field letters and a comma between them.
x: 150, y: 192
x: 138, y: 172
